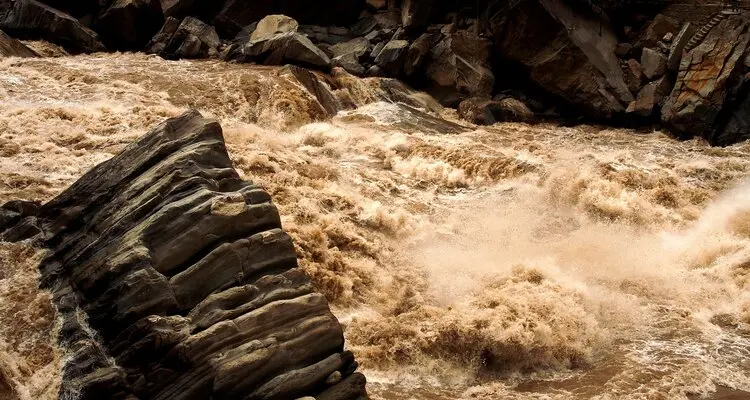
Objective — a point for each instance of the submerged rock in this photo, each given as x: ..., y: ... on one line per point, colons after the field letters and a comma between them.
x: 35, y: 20
x: 174, y: 280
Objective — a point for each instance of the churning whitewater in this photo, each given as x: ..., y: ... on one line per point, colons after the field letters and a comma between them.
x: 512, y: 261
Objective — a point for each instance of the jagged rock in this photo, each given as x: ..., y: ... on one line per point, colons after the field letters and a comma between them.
x: 678, y: 46
x: 18, y: 220
x: 418, y: 53
x: 654, y: 64
x: 190, y: 39
x: 10, y: 47
x: 568, y: 53
x: 650, y: 98
x: 173, y: 280
x: 633, y: 76
x: 458, y: 68
x: 657, y: 28
x: 315, y: 85
x: 347, y: 55
x: 276, y: 42
x: 130, y: 24
x: 700, y: 93
x: 273, y: 25
x: 35, y: 20
x: 391, y: 57
x: 484, y: 111
x: 415, y: 14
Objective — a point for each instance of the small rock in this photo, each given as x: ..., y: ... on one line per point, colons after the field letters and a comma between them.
x: 659, y: 26
x: 668, y: 37
x: 375, y: 72
x: 334, y: 378
x: 654, y: 64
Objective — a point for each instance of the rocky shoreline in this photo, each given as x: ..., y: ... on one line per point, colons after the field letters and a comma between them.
x: 617, y: 63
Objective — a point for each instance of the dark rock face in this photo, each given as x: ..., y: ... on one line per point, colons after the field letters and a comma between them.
x: 458, y: 68
x: 30, y: 18
x: 566, y: 55
x: 130, y: 24
x: 707, y: 74
x: 10, y: 47
x: 391, y: 57
x: 174, y: 280
x: 190, y: 39
x: 415, y: 13
x: 654, y: 64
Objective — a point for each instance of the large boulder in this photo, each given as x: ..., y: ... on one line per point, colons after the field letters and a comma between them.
x: 707, y: 75
x: 392, y: 56
x: 174, y: 280
x: 568, y: 52
x: 348, y: 55
x: 35, y: 20
x: 650, y: 98
x: 458, y: 68
x: 130, y: 24
x: 235, y: 14
x: 190, y: 39
x: 654, y: 64
x: 276, y: 42
x: 10, y: 47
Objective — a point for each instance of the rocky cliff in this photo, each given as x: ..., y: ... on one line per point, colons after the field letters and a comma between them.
x: 174, y: 280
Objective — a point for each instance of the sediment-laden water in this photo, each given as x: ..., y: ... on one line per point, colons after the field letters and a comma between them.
x: 513, y: 261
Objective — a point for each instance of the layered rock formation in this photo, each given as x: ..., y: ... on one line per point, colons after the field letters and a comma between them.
x: 174, y: 280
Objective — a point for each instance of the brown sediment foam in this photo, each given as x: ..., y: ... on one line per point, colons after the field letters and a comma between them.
x: 512, y: 261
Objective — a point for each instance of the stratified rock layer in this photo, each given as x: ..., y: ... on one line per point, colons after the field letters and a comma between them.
x: 174, y: 280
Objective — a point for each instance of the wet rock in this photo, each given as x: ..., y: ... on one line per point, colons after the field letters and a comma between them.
x: 650, y: 98
x: 415, y: 14
x: 375, y: 71
x: 192, y: 38
x: 658, y: 28
x: 587, y: 74
x: 174, y: 280
x: 484, y: 111
x: 458, y: 68
x: 654, y: 63
x: 316, y: 85
x: 130, y: 24
x: 391, y: 58
x: 34, y: 20
x: 678, y: 46
x: 703, y: 82
x: 10, y: 47
x: 633, y: 75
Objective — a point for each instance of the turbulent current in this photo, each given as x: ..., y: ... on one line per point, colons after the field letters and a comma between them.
x: 514, y: 261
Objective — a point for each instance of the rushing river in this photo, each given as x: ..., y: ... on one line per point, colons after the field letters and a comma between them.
x: 515, y: 261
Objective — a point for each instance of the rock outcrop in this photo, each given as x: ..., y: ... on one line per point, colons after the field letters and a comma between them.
x: 174, y: 280
x: 707, y: 75
x: 10, y: 47
x: 569, y: 54
x: 32, y: 19
x: 482, y: 111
